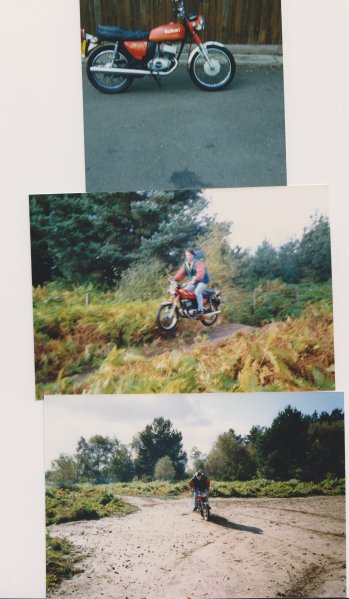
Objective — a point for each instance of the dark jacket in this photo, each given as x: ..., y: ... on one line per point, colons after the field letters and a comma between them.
x: 202, y: 484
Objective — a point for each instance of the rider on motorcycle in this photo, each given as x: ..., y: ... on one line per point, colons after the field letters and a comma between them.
x: 199, y: 483
x: 195, y: 269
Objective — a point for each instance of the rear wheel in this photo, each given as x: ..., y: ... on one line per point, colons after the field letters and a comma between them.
x: 208, y: 321
x: 167, y: 317
x: 218, y: 74
x: 108, y: 83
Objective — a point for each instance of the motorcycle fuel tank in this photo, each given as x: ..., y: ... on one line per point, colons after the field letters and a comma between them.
x: 187, y: 294
x: 171, y: 32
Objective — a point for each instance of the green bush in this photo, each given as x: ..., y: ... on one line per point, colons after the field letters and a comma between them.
x: 252, y: 488
x: 83, y: 503
x: 61, y: 560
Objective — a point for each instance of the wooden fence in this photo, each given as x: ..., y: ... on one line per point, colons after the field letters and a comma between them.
x: 228, y: 21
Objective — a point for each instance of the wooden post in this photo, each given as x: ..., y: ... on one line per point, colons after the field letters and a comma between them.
x: 87, y: 298
x: 254, y: 299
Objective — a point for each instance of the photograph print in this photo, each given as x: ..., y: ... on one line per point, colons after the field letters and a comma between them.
x: 187, y: 497
x: 186, y: 291
x: 182, y: 94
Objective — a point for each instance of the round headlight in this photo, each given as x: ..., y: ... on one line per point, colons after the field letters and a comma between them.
x: 200, y: 23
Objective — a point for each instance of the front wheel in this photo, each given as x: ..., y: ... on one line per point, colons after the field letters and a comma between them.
x: 167, y: 317
x: 108, y: 83
x: 216, y: 74
x: 207, y: 512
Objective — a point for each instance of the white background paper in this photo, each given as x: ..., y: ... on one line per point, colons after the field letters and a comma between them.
x: 41, y: 143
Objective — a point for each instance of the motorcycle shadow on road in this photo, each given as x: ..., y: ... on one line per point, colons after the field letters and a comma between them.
x: 220, y: 521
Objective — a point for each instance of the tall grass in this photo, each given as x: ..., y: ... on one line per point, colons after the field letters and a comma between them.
x: 287, y: 356
x: 117, y: 340
x: 71, y: 336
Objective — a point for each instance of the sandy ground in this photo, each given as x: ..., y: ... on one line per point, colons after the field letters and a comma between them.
x: 251, y: 548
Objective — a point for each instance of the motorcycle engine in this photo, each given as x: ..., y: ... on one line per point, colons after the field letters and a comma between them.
x: 189, y: 308
x: 187, y: 304
x: 164, y: 58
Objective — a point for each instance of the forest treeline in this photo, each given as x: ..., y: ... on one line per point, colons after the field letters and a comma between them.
x: 82, y: 239
x: 294, y: 446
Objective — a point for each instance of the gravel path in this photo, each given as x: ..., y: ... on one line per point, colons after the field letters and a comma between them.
x: 251, y: 548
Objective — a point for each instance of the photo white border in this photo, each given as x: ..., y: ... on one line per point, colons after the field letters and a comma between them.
x: 42, y: 151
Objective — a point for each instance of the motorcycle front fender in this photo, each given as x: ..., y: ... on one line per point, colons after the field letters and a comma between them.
x: 197, y: 50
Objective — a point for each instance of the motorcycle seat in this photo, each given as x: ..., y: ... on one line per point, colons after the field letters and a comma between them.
x: 208, y: 293
x: 112, y: 33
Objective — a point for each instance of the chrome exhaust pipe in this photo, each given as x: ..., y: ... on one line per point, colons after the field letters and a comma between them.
x: 135, y: 72
x: 212, y: 313
x: 116, y: 71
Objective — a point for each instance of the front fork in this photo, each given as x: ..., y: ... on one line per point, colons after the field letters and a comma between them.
x: 199, y: 43
x: 204, y: 52
x: 174, y: 300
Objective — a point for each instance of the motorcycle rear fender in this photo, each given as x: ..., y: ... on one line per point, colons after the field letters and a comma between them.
x: 88, y: 43
x: 197, y: 50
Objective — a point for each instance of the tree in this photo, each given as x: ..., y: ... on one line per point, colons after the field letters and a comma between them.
x: 64, y: 471
x: 157, y: 440
x: 254, y: 444
x: 284, y: 445
x: 325, y: 456
x: 95, y: 458
x: 265, y: 263
x: 122, y: 467
x: 95, y: 237
x: 164, y: 469
x: 198, y: 458
x: 230, y: 459
x: 289, y: 262
x: 315, y: 250
x: 220, y: 259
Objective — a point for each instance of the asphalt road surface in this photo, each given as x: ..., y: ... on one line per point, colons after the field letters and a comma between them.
x: 177, y: 136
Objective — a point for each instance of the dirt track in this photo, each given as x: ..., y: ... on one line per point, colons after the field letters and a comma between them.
x: 251, y: 548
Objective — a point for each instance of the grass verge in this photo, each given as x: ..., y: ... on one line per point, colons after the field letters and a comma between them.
x: 61, y: 561
x: 252, y: 488
x: 83, y: 503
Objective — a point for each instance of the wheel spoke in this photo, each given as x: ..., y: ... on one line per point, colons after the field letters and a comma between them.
x: 217, y: 72
x: 109, y: 80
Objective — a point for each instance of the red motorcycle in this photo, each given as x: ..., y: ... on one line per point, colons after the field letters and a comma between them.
x: 203, y: 507
x: 184, y: 303
x: 111, y: 67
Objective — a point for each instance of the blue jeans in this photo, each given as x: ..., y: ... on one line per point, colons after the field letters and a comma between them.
x: 196, y: 493
x: 198, y: 289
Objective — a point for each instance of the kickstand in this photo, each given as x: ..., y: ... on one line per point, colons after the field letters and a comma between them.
x: 156, y: 79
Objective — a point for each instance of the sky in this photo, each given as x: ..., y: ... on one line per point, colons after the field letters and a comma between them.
x: 200, y: 418
x: 274, y: 213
